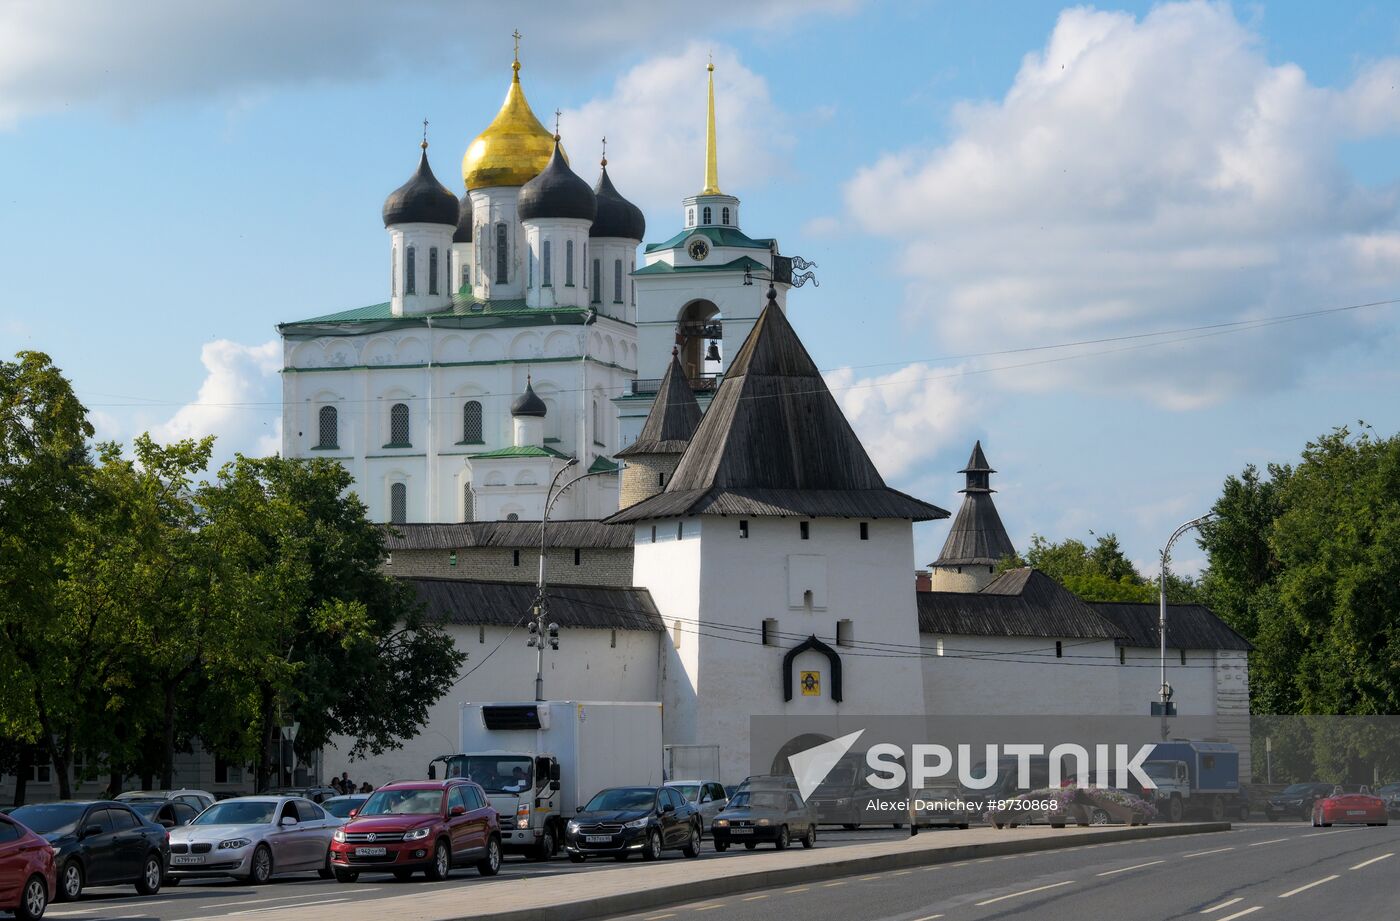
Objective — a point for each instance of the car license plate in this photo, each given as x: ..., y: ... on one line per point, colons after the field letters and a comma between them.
x: 741, y: 831
x: 598, y: 839
x: 369, y: 852
x: 181, y: 859
x: 1356, y: 812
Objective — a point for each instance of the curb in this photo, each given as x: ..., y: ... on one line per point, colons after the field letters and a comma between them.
x: 701, y: 889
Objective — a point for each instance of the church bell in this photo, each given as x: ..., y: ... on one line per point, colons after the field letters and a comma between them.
x: 713, y: 353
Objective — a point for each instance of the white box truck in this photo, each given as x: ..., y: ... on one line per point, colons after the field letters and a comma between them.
x: 541, y: 761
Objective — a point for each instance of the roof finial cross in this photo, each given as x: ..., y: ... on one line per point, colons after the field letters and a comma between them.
x: 557, y: 113
x: 515, y: 66
x: 605, y: 150
x: 424, y: 145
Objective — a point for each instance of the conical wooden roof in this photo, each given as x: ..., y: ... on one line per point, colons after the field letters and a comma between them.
x: 674, y: 416
x: 977, y: 537
x: 774, y: 442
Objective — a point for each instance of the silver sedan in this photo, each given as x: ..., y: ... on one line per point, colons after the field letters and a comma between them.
x: 254, y: 838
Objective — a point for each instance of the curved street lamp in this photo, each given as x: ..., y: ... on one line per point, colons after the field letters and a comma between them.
x: 1165, y: 690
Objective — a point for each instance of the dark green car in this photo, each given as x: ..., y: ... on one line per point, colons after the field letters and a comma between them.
x: 776, y: 817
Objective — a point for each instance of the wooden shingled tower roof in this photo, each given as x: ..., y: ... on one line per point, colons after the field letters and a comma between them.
x: 774, y: 442
x: 977, y: 536
x: 674, y: 417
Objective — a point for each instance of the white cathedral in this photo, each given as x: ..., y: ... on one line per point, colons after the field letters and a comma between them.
x: 733, y: 535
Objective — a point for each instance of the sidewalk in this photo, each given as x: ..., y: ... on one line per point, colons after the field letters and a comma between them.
x: 635, y: 886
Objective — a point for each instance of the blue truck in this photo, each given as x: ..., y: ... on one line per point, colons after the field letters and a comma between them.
x: 1199, y: 778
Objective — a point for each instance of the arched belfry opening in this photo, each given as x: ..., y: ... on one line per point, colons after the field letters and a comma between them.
x: 700, y: 338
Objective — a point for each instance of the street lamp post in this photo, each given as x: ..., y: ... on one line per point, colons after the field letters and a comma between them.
x: 1165, y: 690
x: 542, y: 632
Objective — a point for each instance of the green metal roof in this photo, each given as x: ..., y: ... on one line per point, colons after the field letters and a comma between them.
x: 603, y: 465
x: 521, y: 451
x: 466, y: 311
x: 738, y: 265
x: 719, y: 236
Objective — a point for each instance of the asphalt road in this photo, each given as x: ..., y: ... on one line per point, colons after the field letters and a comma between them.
x: 230, y: 898
x: 1260, y: 872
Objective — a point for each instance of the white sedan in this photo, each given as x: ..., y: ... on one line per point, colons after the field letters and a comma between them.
x: 254, y: 838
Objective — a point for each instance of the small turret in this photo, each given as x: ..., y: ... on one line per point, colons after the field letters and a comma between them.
x: 527, y: 413
x: 556, y: 209
x: 652, y: 458
x: 421, y: 216
x: 977, y: 541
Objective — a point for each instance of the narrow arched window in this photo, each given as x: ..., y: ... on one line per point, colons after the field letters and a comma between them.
x: 432, y: 270
x: 709, y: 215
x: 545, y: 266
x: 529, y: 267
x: 617, y: 281
x: 398, y: 425
x: 569, y: 262
x: 468, y: 503
x: 597, y: 281
x: 724, y: 216
x: 394, y: 273
x: 466, y: 271
x: 597, y: 425
x: 471, y: 422
x: 502, y: 256
x: 690, y: 217
x: 328, y: 424
x: 583, y: 263
x: 410, y: 268
x: 398, y: 503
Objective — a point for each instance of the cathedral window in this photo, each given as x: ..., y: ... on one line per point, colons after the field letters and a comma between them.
x: 545, y: 265
x: 432, y: 270
x: 502, y: 256
x: 709, y: 215
x: 690, y: 217
x: 1122, y: 655
x: 597, y: 425
x: 724, y: 216
x: 410, y: 270
x: 328, y: 424
x: 468, y: 503
x: 394, y: 273
x: 569, y: 263
x: 514, y: 556
x: 584, y: 263
x: 398, y: 426
x: 471, y: 422
x: 617, y: 281
x: 398, y: 504
x: 1183, y: 657
x: 597, y: 281
x: 680, y: 530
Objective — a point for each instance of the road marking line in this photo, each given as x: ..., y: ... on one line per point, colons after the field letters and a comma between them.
x: 754, y: 898
x: 256, y: 911
x: 670, y: 914
x: 1013, y: 895
x: 901, y: 872
x: 1225, y: 904
x: 798, y: 889
x: 1318, y: 834
x: 839, y: 882
x: 1126, y: 869
x: 1270, y: 841
x: 1367, y: 863
x: 928, y: 918
x: 1241, y: 914
x: 708, y: 907
x: 1325, y: 879
x: 1219, y: 850
x: 866, y: 879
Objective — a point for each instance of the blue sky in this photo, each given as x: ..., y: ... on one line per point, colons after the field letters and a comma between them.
x: 970, y: 178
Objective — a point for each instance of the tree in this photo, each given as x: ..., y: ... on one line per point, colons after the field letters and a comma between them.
x: 1306, y: 565
x: 334, y: 644
x: 43, y: 472
x: 1098, y: 573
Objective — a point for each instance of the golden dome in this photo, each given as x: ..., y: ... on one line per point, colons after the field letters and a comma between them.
x: 513, y: 148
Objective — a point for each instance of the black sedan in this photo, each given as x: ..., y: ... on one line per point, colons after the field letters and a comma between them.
x: 100, y: 844
x: 622, y: 821
x: 773, y: 816
x: 1296, y: 801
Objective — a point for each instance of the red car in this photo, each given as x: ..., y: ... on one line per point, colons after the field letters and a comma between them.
x: 411, y: 825
x: 27, y: 877
x: 1349, y: 805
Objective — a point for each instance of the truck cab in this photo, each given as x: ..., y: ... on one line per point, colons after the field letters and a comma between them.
x: 517, y: 784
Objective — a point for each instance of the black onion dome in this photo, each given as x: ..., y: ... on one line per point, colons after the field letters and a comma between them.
x: 556, y: 192
x: 528, y: 403
x: 617, y: 217
x: 421, y: 200
x: 464, y: 222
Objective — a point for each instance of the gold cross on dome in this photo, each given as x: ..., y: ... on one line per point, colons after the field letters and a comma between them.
x: 516, y: 35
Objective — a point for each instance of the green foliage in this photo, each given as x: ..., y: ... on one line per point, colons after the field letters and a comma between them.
x: 1098, y: 573
x: 1306, y: 564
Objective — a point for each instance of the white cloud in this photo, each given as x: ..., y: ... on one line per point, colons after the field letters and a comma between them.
x: 1144, y: 175
x: 239, y: 401
x: 904, y: 418
x: 59, y: 53
x: 654, y: 120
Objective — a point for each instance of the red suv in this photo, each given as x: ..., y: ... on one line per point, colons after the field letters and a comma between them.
x: 411, y: 825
